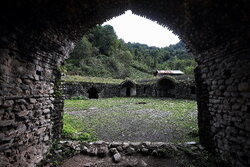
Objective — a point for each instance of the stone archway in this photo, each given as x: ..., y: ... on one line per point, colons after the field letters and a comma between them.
x: 37, y: 36
x: 128, y: 88
x: 165, y: 87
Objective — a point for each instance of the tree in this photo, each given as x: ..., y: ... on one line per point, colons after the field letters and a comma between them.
x: 101, y: 53
x: 105, y: 39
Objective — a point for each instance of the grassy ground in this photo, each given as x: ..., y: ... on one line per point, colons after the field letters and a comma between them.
x: 134, y: 119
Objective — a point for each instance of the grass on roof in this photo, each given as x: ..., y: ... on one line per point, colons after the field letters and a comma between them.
x: 77, y: 78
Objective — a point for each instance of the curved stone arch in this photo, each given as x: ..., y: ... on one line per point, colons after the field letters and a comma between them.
x: 127, y: 88
x: 166, y: 87
x: 36, y: 37
x: 93, y: 93
x: 60, y: 25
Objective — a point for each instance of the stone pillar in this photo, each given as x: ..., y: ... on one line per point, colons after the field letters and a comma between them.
x: 31, y: 105
x: 223, y: 95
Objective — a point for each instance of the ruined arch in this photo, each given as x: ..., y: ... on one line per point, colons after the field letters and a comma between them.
x: 37, y: 36
x: 166, y: 87
x: 128, y: 88
x: 93, y: 93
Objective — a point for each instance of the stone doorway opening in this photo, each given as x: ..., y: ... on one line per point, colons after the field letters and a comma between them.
x: 128, y: 89
x: 166, y: 88
x: 193, y: 90
x: 93, y: 93
x: 128, y: 92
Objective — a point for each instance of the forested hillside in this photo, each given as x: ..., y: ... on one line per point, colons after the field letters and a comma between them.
x: 101, y: 54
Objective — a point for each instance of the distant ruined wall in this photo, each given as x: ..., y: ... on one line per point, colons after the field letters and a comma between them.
x: 146, y: 90
x: 75, y: 89
x: 183, y: 90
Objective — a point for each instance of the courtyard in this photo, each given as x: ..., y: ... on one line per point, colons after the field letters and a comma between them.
x: 131, y: 119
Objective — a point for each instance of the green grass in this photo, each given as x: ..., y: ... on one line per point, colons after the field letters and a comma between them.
x: 75, y: 105
x: 74, y: 129
x: 77, y: 78
x: 182, y: 115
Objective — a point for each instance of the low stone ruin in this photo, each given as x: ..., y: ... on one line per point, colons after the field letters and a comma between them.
x: 118, y: 151
x: 163, y: 87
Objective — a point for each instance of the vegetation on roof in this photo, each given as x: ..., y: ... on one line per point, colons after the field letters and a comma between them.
x: 149, y: 80
x: 77, y: 78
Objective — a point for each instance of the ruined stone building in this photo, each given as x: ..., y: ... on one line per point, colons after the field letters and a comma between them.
x: 166, y: 87
x: 37, y: 36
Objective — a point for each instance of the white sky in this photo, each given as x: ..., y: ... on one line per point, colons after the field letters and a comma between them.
x: 133, y: 28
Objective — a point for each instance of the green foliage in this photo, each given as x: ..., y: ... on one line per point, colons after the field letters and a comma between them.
x: 58, y: 93
x: 100, y: 53
x: 62, y: 69
x: 77, y: 78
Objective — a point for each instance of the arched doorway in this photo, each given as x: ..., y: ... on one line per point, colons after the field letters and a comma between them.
x: 166, y: 88
x: 93, y: 93
x: 128, y: 89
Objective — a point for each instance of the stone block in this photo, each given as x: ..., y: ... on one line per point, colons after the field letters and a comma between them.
x: 4, y: 123
x: 117, y: 157
x: 244, y: 87
x: 8, y: 103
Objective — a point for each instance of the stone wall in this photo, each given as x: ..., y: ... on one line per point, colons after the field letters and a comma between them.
x: 31, y: 107
x: 224, y: 102
x: 146, y: 90
x: 75, y: 89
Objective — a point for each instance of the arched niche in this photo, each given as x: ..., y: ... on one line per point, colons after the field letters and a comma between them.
x: 166, y: 87
x: 128, y: 89
x: 93, y: 93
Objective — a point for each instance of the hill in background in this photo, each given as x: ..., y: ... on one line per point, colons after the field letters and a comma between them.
x: 101, y: 54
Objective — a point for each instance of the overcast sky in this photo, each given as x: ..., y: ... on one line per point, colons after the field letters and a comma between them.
x: 133, y: 28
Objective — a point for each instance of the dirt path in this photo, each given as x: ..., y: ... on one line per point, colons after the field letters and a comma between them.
x: 133, y: 161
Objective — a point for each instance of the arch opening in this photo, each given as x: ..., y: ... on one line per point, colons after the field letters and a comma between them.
x: 93, y: 93
x: 166, y: 88
x: 128, y: 89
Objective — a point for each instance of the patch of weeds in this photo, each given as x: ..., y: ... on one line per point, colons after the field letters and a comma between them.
x: 77, y: 78
x: 56, y: 155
